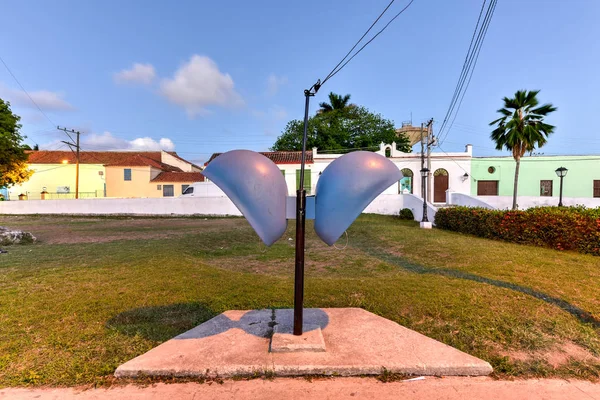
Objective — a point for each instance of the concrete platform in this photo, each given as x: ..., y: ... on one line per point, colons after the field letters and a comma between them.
x: 284, y: 341
x: 357, y: 342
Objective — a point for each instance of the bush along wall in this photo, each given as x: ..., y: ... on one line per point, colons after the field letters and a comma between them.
x: 560, y: 228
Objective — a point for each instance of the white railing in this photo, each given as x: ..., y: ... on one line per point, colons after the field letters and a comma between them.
x: 461, y: 199
x: 415, y: 204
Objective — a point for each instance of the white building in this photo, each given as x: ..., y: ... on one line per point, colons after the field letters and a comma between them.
x: 448, y: 171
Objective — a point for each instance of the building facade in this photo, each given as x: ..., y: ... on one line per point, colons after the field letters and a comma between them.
x: 489, y: 178
x: 106, y: 174
x: 448, y: 171
x: 494, y: 176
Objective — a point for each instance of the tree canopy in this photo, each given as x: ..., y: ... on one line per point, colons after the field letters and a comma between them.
x: 13, y: 159
x: 341, y: 129
x: 521, y: 128
x: 336, y: 102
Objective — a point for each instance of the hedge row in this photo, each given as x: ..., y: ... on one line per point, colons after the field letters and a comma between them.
x: 561, y: 228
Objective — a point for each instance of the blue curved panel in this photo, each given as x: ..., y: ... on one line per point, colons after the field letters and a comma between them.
x: 257, y: 188
x: 346, y: 187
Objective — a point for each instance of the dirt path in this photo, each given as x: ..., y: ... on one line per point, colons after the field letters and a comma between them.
x: 337, y: 388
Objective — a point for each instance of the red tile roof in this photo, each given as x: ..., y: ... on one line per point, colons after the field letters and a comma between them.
x: 92, y: 157
x: 279, y: 157
x: 179, y: 177
x: 106, y: 158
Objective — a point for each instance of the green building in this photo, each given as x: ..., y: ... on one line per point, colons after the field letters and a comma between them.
x: 494, y: 176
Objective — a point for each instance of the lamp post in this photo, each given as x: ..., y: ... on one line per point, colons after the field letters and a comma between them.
x: 561, y: 173
x: 424, y: 173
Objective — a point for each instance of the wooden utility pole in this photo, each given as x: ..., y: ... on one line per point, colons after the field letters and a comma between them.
x: 77, y: 148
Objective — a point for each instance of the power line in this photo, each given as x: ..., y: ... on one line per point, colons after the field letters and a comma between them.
x: 468, y: 67
x: 359, y: 40
x: 332, y: 74
x: 465, y: 63
x: 22, y: 88
x: 470, y: 76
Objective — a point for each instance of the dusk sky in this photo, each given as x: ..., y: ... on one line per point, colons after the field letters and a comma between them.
x: 203, y: 77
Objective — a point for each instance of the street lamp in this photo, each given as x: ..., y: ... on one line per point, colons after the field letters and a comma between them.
x: 561, y: 173
x: 424, y: 174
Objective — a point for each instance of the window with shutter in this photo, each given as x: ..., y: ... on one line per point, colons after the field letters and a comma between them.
x: 545, y: 188
x: 307, y: 182
x: 487, y: 188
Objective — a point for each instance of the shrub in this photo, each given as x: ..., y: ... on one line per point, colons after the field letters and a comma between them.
x: 561, y: 228
x: 406, y: 213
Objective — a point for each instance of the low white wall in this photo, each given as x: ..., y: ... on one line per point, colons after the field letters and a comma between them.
x: 461, y: 199
x: 415, y: 204
x: 220, y: 206
x: 385, y: 204
x: 524, y: 202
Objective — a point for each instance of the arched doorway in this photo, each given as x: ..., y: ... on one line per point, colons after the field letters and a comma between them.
x: 388, y: 151
x: 440, y: 185
x: 405, y: 185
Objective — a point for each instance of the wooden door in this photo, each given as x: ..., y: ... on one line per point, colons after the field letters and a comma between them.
x: 440, y: 185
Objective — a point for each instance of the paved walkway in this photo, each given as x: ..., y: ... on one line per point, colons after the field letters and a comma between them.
x: 337, y: 388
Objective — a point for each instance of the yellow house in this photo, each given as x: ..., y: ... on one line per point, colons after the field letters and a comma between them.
x: 106, y: 174
x: 144, y: 176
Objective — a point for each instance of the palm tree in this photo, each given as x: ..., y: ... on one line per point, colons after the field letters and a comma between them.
x: 336, y: 102
x: 521, y: 128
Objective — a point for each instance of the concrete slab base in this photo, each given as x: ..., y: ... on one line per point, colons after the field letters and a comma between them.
x: 284, y: 341
x: 357, y: 342
x: 426, y: 225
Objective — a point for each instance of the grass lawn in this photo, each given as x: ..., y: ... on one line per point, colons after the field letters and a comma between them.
x: 96, y: 292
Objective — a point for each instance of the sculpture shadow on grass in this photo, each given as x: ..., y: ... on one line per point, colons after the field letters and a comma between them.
x: 580, y: 314
x: 161, y: 323
x: 196, y: 320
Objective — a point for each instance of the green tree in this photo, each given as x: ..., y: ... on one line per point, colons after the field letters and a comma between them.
x: 336, y: 102
x: 344, y: 129
x: 13, y: 158
x: 521, y: 128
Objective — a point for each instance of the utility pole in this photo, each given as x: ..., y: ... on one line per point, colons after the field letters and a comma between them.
x: 77, y: 147
x: 422, y: 163
x: 430, y: 141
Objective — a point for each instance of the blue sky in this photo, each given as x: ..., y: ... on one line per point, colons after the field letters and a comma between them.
x: 216, y: 76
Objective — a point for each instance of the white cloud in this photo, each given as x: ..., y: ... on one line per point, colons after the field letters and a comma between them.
x: 146, y: 143
x: 198, y: 84
x: 107, y: 142
x: 46, y: 100
x: 274, y: 82
x: 139, y: 73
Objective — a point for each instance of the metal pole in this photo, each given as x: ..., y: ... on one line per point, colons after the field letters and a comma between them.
x: 77, y: 170
x: 423, y: 178
x: 560, y: 204
x: 422, y: 163
x: 429, y: 143
x: 300, y: 231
